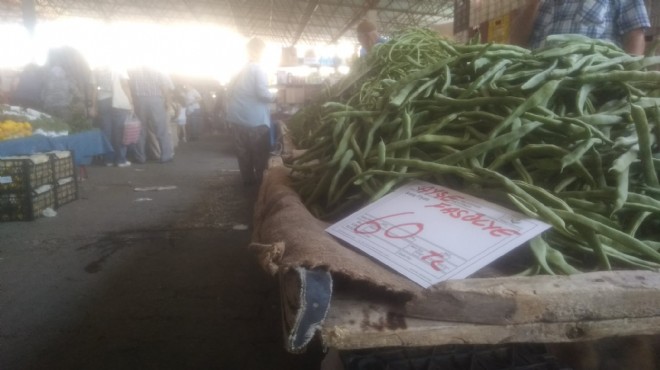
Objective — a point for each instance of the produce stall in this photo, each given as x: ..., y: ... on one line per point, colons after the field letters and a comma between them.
x: 566, y: 135
x: 40, y: 162
x: 27, y: 132
x: 84, y: 145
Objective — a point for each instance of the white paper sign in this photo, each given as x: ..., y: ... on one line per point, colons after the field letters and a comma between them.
x: 5, y: 180
x: 430, y: 233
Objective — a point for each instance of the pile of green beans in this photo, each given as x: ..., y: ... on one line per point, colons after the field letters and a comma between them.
x: 567, y: 134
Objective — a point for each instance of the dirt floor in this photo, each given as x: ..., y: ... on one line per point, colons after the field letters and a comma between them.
x: 123, y: 279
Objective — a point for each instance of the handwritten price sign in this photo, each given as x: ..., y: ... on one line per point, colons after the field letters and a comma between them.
x: 430, y: 233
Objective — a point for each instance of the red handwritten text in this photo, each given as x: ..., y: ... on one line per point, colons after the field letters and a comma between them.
x: 477, y: 219
x: 374, y: 226
x: 435, y: 259
x: 438, y: 194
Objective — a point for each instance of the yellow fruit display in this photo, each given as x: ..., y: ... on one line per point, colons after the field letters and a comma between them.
x: 10, y: 129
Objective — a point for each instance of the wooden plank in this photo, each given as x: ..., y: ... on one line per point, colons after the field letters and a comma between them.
x: 354, y: 323
x: 514, y: 300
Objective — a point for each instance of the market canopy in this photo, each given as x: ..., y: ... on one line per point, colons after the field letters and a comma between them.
x: 287, y: 22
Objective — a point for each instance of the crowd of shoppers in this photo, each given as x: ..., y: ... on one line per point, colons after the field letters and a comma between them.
x: 65, y: 88
x: 107, y: 98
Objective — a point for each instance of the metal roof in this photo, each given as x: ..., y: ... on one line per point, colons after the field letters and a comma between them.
x: 288, y: 22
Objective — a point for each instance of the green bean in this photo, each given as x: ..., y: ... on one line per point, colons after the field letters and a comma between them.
x: 557, y: 259
x: 612, y: 62
x: 591, y: 129
x: 338, y: 130
x: 499, y: 141
x: 597, y: 246
x: 580, y: 65
x: 578, y: 152
x: 484, y: 78
x: 642, y: 128
x: 548, y: 215
x: 638, y: 220
x: 602, y: 119
x: 643, y: 199
x: 343, y: 144
x: 370, y: 135
x: 539, y: 98
x: 620, y: 76
x: 345, y: 160
x: 540, y: 250
x: 353, y: 114
x: 612, y: 233
x: 435, y: 127
x: 567, y: 133
x: 539, y: 78
x: 541, y: 193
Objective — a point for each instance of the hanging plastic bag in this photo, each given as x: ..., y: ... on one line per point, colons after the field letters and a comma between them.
x: 132, y: 128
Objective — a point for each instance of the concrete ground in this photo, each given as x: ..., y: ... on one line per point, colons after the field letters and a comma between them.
x: 122, y: 279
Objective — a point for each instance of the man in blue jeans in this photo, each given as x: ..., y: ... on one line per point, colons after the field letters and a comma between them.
x: 110, y: 111
x: 248, y: 112
x: 151, y: 90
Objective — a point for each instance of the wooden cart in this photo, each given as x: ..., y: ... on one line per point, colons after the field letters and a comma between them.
x: 354, y: 302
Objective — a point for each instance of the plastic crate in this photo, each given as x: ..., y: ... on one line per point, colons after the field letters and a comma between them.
x: 25, y: 205
x: 62, y: 162
x: 25, y: 173
x: 66, y: 191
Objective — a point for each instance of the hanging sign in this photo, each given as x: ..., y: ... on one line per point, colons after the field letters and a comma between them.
x: 430, y: 233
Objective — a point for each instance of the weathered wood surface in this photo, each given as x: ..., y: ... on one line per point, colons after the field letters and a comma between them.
x: 476, y: 311
x: 354, y: 323
x: 514, y: 300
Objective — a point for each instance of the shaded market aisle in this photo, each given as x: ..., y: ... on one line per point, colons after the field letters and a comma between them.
x: 122, y: 279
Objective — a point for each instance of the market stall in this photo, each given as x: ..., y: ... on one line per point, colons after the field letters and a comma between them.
x: 40, y: 162
x: 35, y: 132
x: 84, y: 145
x: 566, y: 135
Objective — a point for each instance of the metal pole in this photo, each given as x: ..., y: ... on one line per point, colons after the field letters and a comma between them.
x: 30, y: 15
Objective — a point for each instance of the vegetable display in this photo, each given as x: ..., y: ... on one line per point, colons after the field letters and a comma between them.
x: 10, y: 129
x: 16, y: 122
x: 567, y: 134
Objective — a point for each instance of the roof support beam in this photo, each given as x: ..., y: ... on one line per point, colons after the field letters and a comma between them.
x: 29, y: 15
x: 309, y: 11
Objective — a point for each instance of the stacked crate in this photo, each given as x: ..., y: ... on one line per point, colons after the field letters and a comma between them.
x: 25, y: 187
x: 31, y: 184
x: 64, y: 179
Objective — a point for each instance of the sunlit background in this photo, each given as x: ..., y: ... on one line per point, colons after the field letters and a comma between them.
x: 194, y: 50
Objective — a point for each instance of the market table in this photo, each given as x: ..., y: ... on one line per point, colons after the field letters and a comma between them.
x: 84, y: 145
x: 351, y: 302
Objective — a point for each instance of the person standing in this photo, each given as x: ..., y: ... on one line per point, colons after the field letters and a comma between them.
x: 194, y: 117
x: 248, y: 113
x: 151, y: 90
x: 59, y: 91
x: 368, y: 37
x: 26, y: 89
x: 622, y: 22
x: 111, y: 106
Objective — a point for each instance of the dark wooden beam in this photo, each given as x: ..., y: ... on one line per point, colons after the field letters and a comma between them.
x: 29, y: 15
x: 359, y: 15
x: 312, y: 5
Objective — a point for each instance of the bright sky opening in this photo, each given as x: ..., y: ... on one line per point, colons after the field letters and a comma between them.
x: 196, y: 50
